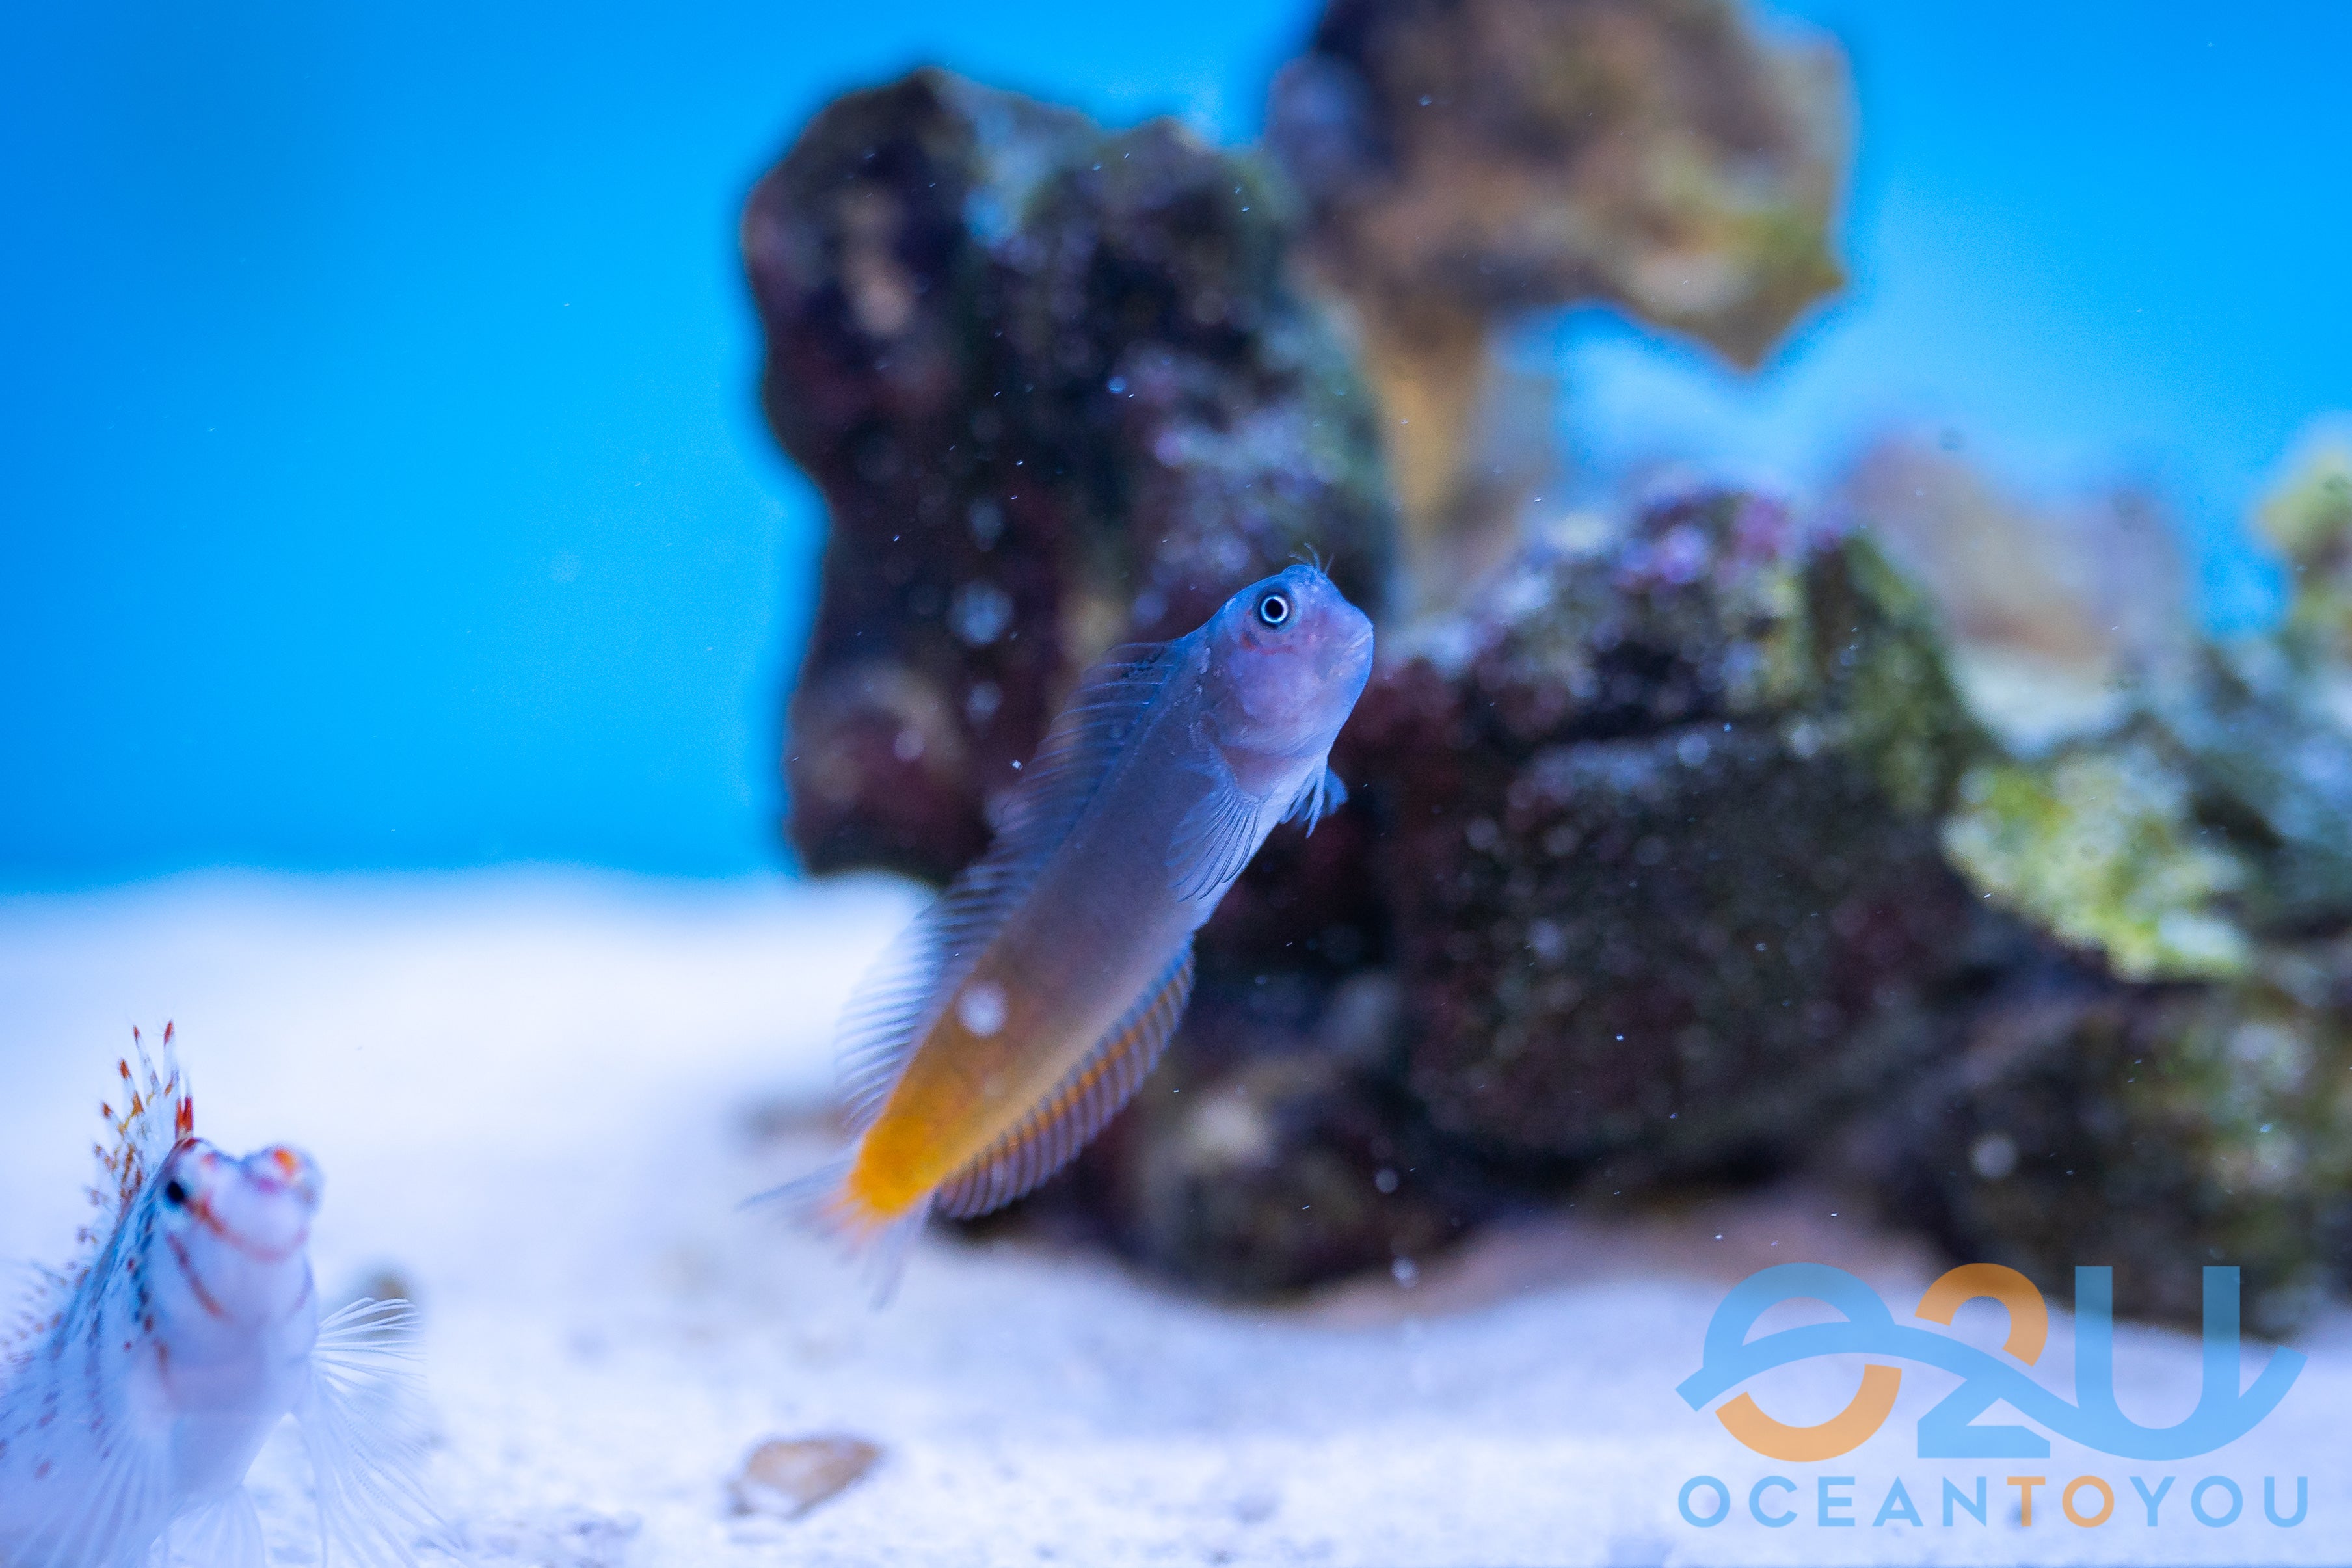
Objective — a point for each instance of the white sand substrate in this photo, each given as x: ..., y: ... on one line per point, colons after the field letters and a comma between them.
x: 538, y: 1096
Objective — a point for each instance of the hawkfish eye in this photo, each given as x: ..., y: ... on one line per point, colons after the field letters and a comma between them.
x: 174, y: 1194
x: 1274, y: 610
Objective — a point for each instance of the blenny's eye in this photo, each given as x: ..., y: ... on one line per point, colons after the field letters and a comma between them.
x: 174, y: 1194
x: 1274, y: 610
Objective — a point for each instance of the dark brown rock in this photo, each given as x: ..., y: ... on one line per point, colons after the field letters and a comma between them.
x: 1274, y: 1150
x: 1058, y: 395
x: 1661, y: 851
x: 2155, y: 1129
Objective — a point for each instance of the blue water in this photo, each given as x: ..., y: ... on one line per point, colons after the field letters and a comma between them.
x: 385, y: 486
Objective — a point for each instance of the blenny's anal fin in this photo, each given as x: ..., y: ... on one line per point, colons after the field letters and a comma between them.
x: 1216, y: 837
x: 899, y: 996
x: 1051, y: 1136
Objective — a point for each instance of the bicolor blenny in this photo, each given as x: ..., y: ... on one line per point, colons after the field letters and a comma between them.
x: 1024, y: 1007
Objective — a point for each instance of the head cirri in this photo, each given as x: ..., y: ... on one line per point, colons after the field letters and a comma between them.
x: 1288, y: 656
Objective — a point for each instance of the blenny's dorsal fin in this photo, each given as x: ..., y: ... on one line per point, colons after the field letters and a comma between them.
x: 1051, y: 1136
x: 900, y: 995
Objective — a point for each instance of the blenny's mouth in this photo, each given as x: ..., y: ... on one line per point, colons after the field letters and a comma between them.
x: 259, y: 1251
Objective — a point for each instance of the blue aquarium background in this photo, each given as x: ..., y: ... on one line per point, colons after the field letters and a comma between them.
x: 385, y: 486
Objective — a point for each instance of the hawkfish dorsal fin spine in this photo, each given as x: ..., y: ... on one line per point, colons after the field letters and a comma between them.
x: 1065, y: 1120
x: 886, y: 1015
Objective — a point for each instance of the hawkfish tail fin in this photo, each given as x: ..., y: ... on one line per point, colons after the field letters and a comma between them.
x: 364, y: 1425
x: 223, y: 1533
x: 874, y: 1240
x: 1051, y: 1136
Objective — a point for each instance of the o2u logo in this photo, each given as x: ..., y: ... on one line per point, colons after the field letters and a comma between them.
x: 1948, y: 1431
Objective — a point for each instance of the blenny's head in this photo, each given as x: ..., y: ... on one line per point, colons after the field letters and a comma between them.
x: 230, y: 1235
x: 1288, y: 656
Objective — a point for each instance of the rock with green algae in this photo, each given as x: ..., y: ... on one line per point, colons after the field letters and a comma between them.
x: 2268, y: 753
x: 1661, y: 849
x: 2099, y: 845
x: 1702, y: 788
x: 2309, y: 518
x: 2156, y: 1129
x: 1058, y: 394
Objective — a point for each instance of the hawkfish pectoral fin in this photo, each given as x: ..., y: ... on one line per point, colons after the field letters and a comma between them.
x: 1217, y: 837
x: 884, y: 1019
x: 364, y: 1425
x: 1090, y: 1094
x: 1321, y: 795
x: 223, y: 1533
x: 77, y: 1513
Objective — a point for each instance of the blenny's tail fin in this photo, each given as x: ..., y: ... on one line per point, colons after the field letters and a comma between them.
x: 876, y: 1241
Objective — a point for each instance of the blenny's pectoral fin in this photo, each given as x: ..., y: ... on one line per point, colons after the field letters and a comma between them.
x: 225, y: 1533
x: 1216, y: 838
x: 362, y: 1423
x: 1050, y: 1136
x: 1321, y: 795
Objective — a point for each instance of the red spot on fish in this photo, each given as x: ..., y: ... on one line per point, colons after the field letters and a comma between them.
x: 187, y: 1269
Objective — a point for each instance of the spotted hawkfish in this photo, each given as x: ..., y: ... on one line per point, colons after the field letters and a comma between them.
x: 148, y: 1375
x: 1024, y: 1007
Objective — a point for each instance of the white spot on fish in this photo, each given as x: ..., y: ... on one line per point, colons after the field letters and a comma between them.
x: 981, y: 1008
